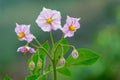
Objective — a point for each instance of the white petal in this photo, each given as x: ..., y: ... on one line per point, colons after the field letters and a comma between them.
x: 46, y: 28
x: 56, y: 26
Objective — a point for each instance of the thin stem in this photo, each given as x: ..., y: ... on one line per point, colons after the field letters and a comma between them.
x: 27, y: 44
x: 47, y: 53
x: 54, y: 64
x: 38, y: 42
x: 54, y: 70
x: 62, y: 50
x: 51, y: 36
x: 69, y: 46
x: 42, y: 67
x: 47, y: 72
x: 53, y: 61
x: 34, y: 45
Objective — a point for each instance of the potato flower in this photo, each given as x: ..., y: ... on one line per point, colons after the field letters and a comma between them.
x: 72, y: 24
x: 49, y: 20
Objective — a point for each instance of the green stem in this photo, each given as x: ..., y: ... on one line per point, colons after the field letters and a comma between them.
x: 51, y: 36
x: 38, y: 42
x: 42, y: 67
x: 27, y: 44
x: 69, y: 46
x: 62, y: 50
x: 53, y: 61
x: 34, y: 45
x: 54, y: 70
x: 47, y: 72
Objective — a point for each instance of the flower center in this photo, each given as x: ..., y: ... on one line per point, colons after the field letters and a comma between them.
x: 21, y: 35
x: 25, y: 50
x: 72, y: 28
x: 49, y: 20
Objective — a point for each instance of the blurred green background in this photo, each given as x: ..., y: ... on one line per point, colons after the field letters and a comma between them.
x: 100, y: 31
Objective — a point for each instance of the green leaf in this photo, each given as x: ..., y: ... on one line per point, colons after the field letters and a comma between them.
x: 31, y: 77
x: 44, y: 78
x: 42, y: 53
x: 65, y: 71
x: 35, y: 77
x: 46, y: 45
x: 86, y: 57
x: 7, y: 78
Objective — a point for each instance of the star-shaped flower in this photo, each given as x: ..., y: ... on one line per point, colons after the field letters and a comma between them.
x: 72, y: 24
x: 23, y: 32
x: 49, y: 20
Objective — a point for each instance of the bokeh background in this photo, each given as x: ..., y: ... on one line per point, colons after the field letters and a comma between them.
x: 100, y: 31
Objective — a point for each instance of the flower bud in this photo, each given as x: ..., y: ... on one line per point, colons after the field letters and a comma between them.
x: 75, y: 54
x: 62, y: 61
x: 39, y: 63
x: 31, y: 65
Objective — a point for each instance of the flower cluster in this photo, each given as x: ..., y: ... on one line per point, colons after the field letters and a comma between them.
x: 23, y: 33
x: 48, y: 20
x: 51, y: 20
x: 46, y: 57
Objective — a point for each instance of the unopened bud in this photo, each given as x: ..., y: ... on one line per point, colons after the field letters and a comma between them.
x: 75, y: 54
x: 31, y: 65
x: 62, y: 61
x: 39, y: 63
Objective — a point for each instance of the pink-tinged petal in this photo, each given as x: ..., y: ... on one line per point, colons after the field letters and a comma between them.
x: 40, y: 22
x: 77, y: 25
x: 57, y: 21
x: 22, y: 39
x: 26, y: 49
x: 62, y: 61
x: 69, y: 20
x: 56, y: 15
x: 75, y: 54
x: 17, y: 29
x: 65, y: 29
x: 31, y: 50
x: 22, y: 26
x: 27, y: 29
x: 69, y: 34
x: 29, y: 37
x: 18, y: 49
x: 56, y: 26
x: 46, y: 27
x: 46, y: 12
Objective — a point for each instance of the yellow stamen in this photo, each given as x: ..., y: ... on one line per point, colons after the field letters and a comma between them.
x: 49, y: 20
x: 25, y: 50
x: 21, y: 35
x: 72, y: 28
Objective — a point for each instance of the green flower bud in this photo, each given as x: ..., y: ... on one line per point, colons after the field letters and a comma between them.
x: 75, y: 54
x: 62, y: 61
x: 39, y: 63
x: 31, y: 65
